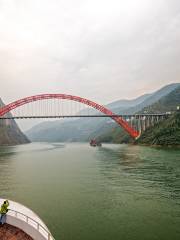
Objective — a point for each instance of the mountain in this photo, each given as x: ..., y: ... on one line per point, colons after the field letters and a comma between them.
x: 62, y: 130
x: 164, y: 133
x: 84, y: 129
x: 119, y: 105
x: 154, y: 97
x: 127, y: 103
x: 10, y: 134
x: 167, y: 103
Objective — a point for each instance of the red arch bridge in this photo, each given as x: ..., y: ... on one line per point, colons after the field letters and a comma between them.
x: 64, y: 105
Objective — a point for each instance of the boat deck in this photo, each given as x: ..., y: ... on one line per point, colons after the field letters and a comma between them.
x: 8, y: 232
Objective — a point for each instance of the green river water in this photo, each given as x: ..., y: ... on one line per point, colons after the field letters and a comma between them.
x: 112, y: 192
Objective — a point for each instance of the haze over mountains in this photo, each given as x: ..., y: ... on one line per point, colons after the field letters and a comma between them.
x: 84, y: 129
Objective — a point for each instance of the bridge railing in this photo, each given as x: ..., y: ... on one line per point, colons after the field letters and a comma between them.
x: 33, y: 223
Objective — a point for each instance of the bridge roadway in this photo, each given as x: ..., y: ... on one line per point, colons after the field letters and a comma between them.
x: 89, y: 116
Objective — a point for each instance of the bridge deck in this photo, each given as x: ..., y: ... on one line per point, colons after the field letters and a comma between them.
x: 89, y: 116
x: 8, y: 232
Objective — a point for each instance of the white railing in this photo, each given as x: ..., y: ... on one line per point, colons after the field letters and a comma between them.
x: 33, y: 223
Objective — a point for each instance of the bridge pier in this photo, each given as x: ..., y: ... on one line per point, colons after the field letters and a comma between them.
x: 140, y: 125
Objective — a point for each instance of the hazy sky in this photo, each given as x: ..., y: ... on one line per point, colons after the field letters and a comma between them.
x: 103, y: 50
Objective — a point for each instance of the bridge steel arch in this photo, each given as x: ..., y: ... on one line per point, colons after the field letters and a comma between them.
x: 7, y: 108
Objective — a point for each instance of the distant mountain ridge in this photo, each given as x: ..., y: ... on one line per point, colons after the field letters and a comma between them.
x: 167, y: 103
x: 156, y: 96
x: 119, y: 105
x: 84, y: 129
x: 125, y: 103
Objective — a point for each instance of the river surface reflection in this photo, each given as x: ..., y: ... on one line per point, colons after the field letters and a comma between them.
x: 110, y: 192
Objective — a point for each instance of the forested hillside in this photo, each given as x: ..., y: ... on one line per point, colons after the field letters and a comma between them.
x: 166, y: 132
x: 167, y: 103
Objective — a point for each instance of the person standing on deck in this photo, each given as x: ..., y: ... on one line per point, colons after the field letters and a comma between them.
x: 3, y: 211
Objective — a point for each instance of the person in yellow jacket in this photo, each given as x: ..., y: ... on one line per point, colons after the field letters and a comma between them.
x: 3, y: 211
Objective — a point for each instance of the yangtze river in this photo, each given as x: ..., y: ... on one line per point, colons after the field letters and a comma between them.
x: 86, y: 193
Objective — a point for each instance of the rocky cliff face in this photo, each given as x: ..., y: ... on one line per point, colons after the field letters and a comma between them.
x: 10, y: 134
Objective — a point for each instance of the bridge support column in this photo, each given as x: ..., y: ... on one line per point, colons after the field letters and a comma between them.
x: 139, y: 125
x: 152, y: 121
x: 143, y: 124
x: 148, y: 122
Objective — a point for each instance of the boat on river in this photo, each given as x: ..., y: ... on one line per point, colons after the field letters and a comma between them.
x: 94, y: 143
x: 23, y: 224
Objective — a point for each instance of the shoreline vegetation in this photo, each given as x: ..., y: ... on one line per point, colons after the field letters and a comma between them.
x: 165, y: 133
x: 157, y: 146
